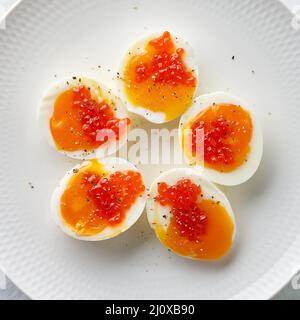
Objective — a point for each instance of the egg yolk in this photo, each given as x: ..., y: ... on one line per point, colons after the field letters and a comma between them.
x: 78, y: 118
x: 199, y: 228
x: 159, y: 80
x: 227, y: 135
x: 94, y: 200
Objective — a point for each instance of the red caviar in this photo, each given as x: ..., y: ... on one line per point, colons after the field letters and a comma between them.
x: 199, y: 228
x: 187, y: 214
x: 93, y: 201
x: 78, y: 118
x: 115, y: 194
x: 227, y: 135
x: 167, y: 65
x: 159, y: 80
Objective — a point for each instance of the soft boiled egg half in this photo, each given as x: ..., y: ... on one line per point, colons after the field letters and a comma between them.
x: 221, y: 138
x: 190, y: 215
x: 159, y: 77
x: 83, y: 119
x: 99, y: 200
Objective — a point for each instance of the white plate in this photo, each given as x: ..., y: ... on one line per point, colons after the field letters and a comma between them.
x: 64, y: 38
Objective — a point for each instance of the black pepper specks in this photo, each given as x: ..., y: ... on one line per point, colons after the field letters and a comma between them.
x: 31, y: 185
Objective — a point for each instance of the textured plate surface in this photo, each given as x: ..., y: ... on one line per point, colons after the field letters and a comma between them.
x: 45, y: 40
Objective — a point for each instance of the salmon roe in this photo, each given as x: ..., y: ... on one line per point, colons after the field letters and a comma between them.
x: 158, y: 78
x: 78, y: 119
x: 115, y: 194
x: 167, y: 64
x: 183, y: 197
x: 199, y: 228
x: 227, y: 135
x: 94, y: 199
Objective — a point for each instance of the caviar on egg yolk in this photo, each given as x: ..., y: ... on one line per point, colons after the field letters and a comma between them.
x: 158, y: 79
x: 226, y: 136
x: 78, y: 117
x: 199, y: 228
x: 95, y: 199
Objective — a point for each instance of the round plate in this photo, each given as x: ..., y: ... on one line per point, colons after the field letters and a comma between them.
x: 48, y: 40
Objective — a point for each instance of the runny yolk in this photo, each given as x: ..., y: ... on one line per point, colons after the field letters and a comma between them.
x: 159, y: 80
x: 94, y: 200
x: 78, y: 118
x: 199, y: 228
x: 227, y: 133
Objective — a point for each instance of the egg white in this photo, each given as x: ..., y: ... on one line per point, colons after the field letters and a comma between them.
x: 99, y: 92
x: 246, y: 170
x: 110, y: 165
x: 137, y: 48
x: 161, y: 216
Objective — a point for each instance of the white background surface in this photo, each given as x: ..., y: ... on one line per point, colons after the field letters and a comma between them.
x: 11, y: 292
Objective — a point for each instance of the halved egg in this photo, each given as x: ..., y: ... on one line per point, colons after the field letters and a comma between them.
x: 83, y: 119
x: 221, y: 138
x: 159, y: 77
x: 99, y: 199
x: 190, y: 215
